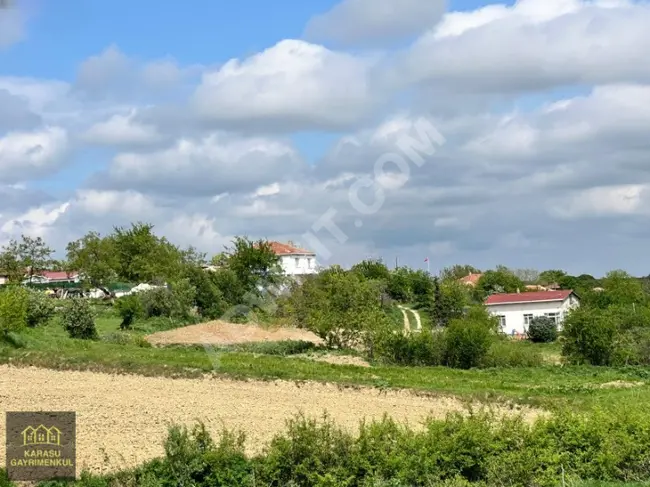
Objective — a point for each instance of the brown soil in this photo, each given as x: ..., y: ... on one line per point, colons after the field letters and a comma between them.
x: 336, y: 359
x: 222, y: 333
x: 122, y: 419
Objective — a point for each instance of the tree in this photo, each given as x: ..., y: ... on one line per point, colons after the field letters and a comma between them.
x: 372, y: 269
x: 457, y: 271
x: 542, y: 329
x: 11, y: 266
x: 449, y: 302
x: 142, y: 256
x: 527, y: 275
x: 623, y: 289
x: 30, y: 254
x: 551, y: 276
x: 500, y: 280
x: 95, y: 258
x: 254, y: 263
x: 589, y: 336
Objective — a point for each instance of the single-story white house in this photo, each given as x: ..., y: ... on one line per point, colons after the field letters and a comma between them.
x: 54, y: 277
x: 294, y: 260
x: 515, y: 310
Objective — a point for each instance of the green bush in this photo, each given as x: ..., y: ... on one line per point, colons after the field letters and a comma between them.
x: 13, y: 309
x: 129, y: 308
x: 425, y: 348
x: 509, y: 353
x: 40, y: 308
x: 467, y: 341
x: 79, y: 320
x: 183, y: 295
x: 157, y: 302
x: 589, y: 337
x: 542, y: 329
x: 477, y: 449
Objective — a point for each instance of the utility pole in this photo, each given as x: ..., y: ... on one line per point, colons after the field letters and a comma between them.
x: 396, y: 262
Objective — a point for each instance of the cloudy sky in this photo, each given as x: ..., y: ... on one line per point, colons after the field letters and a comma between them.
x: 509, y: 133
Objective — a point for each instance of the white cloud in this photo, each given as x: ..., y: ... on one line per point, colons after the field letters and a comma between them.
x: 293, y: 85
x: 534, y: 45
x: 206, y: 166
x: 35, y: 222
x: 29, y: 155
x: 372, y: 22
x: 122, y: 129
x: 626, y: 199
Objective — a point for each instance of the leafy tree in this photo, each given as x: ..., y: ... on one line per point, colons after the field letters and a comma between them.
x: 623, y: 289
x: 450, y: 300
x: 209, y: 299
x: 13, y: 309
x: 500, y: 280
x: 40, y: 308
x: 229, y: 285
x: 457, y: 272
x: 468, y: 340
x: 542, y: 329
x: 372, y: 269
x: 526, y: 275
x: 79, y: 320
x: 144, y: 257
x: 30, y: 254
x: 11, y: 266
x: 254, y: 263
x: 589, y: 336
x: 129, y: 308
x: 551, y: 276
x: 95, y: 258
x: 399, y: 285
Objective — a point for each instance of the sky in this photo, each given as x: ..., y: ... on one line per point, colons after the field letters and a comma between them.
x: 463, y: 132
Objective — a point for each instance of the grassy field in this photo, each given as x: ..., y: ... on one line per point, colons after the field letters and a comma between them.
x: 549, y: 386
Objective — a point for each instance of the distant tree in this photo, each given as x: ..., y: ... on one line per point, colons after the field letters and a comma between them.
x: 254, y: 263
x: 11, y: 266
x: 457, y: 271
x: 623, y: 289
x: 530, y: 276
x: 372, y: 269
x: 399, y: 285
x: 95, y: 258
x: 501, y: 280
x: 29, y: 254
x: 551, y: 276
x: 142, y: 256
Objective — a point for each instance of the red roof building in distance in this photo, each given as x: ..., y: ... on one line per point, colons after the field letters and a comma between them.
x: 528, y: 297
x: 470, y: 279
x: 288, y: 249
x: 294, y: 260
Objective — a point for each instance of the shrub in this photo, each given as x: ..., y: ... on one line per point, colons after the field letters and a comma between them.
x: 467, y: 342
x: 589, y: 337
x: 13, y: 309
x: 509, y: 353
x: 183, y: 295
x: 542, y: 329
x: 425, y: 348
x: 40, y: 308
x: 79, y: 319
x: 157, y: 302
x: 129, y: 308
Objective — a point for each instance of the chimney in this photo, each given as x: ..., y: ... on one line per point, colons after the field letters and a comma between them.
x: 290, y: 242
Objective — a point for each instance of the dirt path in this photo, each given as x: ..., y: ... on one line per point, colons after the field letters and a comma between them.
x: 122, y: 419
x: 407, y: 323
x: 418, y: 321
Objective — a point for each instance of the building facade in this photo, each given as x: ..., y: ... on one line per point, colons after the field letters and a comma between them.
x: 294, y: 260
x: 516, y: 310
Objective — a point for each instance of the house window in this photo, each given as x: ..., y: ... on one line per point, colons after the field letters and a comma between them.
x: 502, y: 321
x: 297, y: 262
x: 527, y: 319
x: 309, y: 263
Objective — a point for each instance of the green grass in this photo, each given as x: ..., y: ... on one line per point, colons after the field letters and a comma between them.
x: 547, y: 386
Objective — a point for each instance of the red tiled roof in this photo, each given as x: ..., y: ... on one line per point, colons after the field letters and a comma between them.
x: 470, y: 279
x: 58, y: 275
x: 528, y: 297
x: 286, y: 249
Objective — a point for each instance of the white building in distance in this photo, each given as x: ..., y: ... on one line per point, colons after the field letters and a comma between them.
x: 294, y: 260
x: 517, y: 309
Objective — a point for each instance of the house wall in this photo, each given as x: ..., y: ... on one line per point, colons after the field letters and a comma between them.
x: 3, y: 280
x: 514, y: 312
x: 296, y: 265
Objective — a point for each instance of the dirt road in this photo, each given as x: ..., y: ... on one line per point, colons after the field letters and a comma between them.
x: 122, y: 420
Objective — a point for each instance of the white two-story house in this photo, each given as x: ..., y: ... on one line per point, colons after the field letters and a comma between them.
x: 517, y: 309
x: 294, y: 260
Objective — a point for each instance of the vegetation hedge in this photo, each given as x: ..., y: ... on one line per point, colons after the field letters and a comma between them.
x: 479, y: 449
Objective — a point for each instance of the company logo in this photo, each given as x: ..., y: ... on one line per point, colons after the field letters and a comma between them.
x: 41, y: 435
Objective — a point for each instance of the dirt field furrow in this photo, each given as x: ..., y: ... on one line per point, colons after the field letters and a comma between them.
x: 122, y: 420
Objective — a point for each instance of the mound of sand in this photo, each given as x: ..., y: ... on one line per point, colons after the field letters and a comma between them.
x: 122, y: 419
x: 222, y: 333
